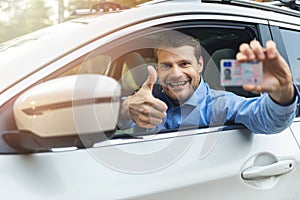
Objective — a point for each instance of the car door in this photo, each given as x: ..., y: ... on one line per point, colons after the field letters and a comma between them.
x: 225, y: 161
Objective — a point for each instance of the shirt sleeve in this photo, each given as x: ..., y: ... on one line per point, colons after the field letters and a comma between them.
x: 263, y: 115
x: 124, y: 123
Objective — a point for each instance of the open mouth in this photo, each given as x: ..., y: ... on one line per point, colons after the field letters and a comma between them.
x: 177, y: 84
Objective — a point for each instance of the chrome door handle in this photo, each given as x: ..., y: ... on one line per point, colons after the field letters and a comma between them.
x: 274, y: 169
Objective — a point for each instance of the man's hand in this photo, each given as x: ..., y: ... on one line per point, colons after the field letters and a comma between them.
x: 277, y: 78
x: 145, y: 110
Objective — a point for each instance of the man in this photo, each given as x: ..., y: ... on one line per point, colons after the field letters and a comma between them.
x: 184, y: 99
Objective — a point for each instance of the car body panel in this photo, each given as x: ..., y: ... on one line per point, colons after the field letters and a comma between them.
x: 198, y: 172
x: 183, y: 164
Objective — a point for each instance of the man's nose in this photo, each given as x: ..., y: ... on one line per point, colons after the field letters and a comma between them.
x: 176, y: 70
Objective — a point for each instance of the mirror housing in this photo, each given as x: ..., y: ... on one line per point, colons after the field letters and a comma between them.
x: 73, y: 105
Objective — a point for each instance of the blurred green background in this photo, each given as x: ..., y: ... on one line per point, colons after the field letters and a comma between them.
x: 18, y: 17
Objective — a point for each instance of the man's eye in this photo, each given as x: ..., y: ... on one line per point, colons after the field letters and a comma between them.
x: 164, y: 66
x: 184, y: 64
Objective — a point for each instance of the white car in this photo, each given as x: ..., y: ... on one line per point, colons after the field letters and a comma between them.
x: 61, y: 90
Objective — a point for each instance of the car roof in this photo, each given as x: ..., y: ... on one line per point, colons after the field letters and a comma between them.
x: 41, y: 47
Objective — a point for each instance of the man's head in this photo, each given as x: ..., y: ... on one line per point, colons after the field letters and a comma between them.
x: 179, y: 65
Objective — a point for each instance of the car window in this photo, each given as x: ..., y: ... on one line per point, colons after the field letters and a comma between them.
x: 95, y: 65
x: 127, y: 58
x: 291, y: 40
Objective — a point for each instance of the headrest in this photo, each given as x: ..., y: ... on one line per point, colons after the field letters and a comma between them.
x: 211, y: 73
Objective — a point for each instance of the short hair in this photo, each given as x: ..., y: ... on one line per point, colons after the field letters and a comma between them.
x: 175, y: 39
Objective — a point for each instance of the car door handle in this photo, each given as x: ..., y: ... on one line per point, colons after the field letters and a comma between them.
x: 274, y: 169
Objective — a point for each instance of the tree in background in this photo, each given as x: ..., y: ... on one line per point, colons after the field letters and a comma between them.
x: 22, y: 17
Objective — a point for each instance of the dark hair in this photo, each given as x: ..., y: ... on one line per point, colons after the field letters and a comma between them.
x: 175, y: 39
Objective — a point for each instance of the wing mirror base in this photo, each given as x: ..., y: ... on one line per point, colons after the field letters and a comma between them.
x: 26, y: 142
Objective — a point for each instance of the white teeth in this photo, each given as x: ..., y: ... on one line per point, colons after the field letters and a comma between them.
x: 178, y: 83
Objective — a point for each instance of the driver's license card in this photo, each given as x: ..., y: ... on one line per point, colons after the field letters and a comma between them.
x: 234, y: 73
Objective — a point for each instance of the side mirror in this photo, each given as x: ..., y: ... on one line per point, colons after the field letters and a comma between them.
x: 80, y: 110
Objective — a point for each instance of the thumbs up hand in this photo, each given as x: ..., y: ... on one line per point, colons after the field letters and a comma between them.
x: 144, y: 109
x: 152, y: 77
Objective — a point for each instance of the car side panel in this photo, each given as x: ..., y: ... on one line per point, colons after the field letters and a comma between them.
x: 210, y: 166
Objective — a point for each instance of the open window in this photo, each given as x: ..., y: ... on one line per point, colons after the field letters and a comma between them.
x: 126, y: 59
x: 131, y: 54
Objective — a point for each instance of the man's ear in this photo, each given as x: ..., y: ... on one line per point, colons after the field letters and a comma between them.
x: 200, y: 64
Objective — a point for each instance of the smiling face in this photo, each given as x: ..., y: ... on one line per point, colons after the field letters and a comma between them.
x: 179, y: 72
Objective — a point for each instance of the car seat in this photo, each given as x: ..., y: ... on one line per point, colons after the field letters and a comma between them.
x: 135, y: 74
x: 95, y: 65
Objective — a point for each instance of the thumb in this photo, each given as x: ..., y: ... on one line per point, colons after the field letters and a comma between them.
x: 152, y: 77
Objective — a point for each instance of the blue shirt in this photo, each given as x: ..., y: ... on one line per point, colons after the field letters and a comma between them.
x: 208, y: 107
